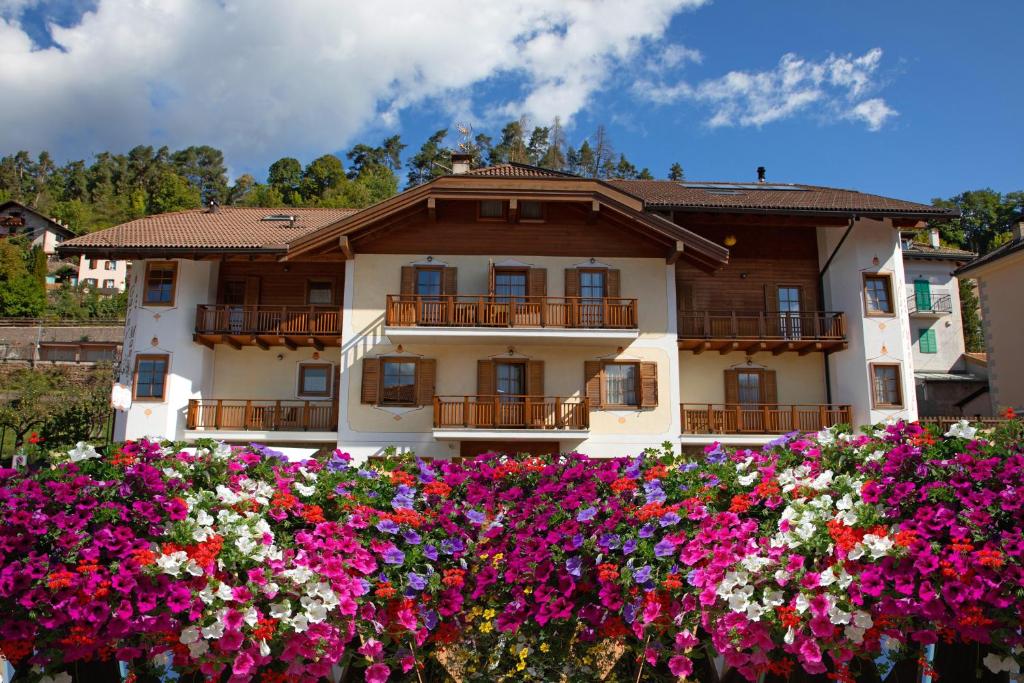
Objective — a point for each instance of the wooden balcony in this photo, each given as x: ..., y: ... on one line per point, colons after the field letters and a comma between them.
x: 761, y: 418
x: 751, y: 332
x: 267, y: 326
x: 511, y: 412
x: 455, y: 310
x: 263, y: 416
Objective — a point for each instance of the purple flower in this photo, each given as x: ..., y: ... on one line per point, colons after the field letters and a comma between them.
x: 629, y: 547
x: 430, y: 552
x: 573, y: 565
x: 403, y: 499
x: 643, y: 574
x: 654, y: 492
x: 646, y: 531
x: 586, y: 514
x: 476, y: 517
x: 367, y: 474
x: 339, y: 462
x: 664, y: 548
x: 393, y: 556
x: 387, y: 526
x: 412, y: 538
x: 669, y: 518
x: 610, y: 541
x: 417, y: 581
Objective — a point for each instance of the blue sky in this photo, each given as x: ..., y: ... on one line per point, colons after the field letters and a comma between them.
x: 899, y: 98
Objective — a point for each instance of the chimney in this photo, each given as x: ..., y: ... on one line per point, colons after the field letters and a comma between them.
x: 933, y: 237
x: 760, y: 174
x: 213, y: 206
x: 1018, y: 230
x: 461, y: 162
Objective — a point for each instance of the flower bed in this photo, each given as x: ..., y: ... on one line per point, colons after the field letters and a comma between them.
x: 808, y: 555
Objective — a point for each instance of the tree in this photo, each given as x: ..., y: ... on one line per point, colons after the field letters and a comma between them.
x: 21, y: 294
x: 537, y: 147
x: 203, y: 166
x: 322, y: 174
x: 37, y: 261
x: 603, y: 166
x: 171, y: 192
x: 30, y: 403
x: 264, y: 195
x: 676, y: 172
x: 432, y: 161
x: 364, y: 158
x: 624, y: 170
x: 645, y: 174
x: 984, y: 214
x: 974, y: 338
x: 512, y: 147
x: 243, y: 186
x: 585, y: 161
x: 285, y: 176
x: 554, y: 157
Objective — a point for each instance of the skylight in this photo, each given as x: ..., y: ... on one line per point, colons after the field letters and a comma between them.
x: 278, y: 217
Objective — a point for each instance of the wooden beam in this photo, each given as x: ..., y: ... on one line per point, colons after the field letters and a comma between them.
x: 289, y: 343
x: 346, y: 247
x: 319, y: 345
x: 782, y: 348
x: 675, y: 254
x: 260, y: 343
x: 754, y: 347
x: 513, y: 210
x: 595, y: 209
x: 810, y: 347
x: 232, y: 342
x: 203, y: 340
x: 432, y: 209
x: 706, y: 346
x: 729, y: 348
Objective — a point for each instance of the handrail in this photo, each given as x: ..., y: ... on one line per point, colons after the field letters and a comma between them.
x: 936, y: 303
x: 761, y: 418
x: 786, y: 325
x: 490, y: 310
x: 269, y: 320
x: 262, y: 415
x: 511, y: 411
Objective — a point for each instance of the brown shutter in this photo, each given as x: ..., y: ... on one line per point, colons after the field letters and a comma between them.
x: 485, y: 378
x: 490, y: 277
x: 685, y: 302
x: 408, y: 280
x: 426, y: 376
x: 613, y: 282
x: 732, y: 387
x: 535, y: 377
x: 450, y: 281
x: 371, y: 380
x: 769, y: 387
x: 648, y: 385
x: 537, y: 282
x: 572, y: 282
x: 592, y: 381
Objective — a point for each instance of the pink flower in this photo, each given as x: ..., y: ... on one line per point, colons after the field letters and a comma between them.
x: 243, y: 664
x: 680, y: 665
x: 377, y: 673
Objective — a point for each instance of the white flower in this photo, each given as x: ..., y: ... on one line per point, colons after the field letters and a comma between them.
x: 198, y: 648
x: 207, y: 595
x: 227, y: 496
x: 82, y: 451
x: 193, y: 568
x: 827, y: 577
x: 204, y: 518
x: 189, y: 635
x: 964, y: 430
x: 838, y: 616
x: 822, y: 481
x: 825, y: 437
x: 300, y: 624
x: 747, y: 479
x: 997, y: 664
x: 773, y: 598
x: 802, y: 603
x: 214, y: 630
x: 854, y: 633
x: 62, y: 677
x: 280, y: 610
x: 171, y: 564
x: 251, y: 617
x: 863, y: 620
x: 305, y: 490
x: 739, y: 601
x: 789, y: 637
x: 224, y: 592
x: 264, y: 649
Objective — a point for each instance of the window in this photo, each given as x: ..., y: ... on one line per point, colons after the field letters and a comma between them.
x: 98, y: 354
x: 510, y: 285
x: 511, y: 383
x: 878, y: 295
x: 592, y: 292
x: 89, y: 282
x: 160, y: 279
x: 428, y: 282
x: 886, y: 391
x: 398, y: 382
x: 320, y: 293
x: 92, y: 264
x: 150, y: 378
x: 749, y: 385
x: 315, y: 380
x: 620, y: 384
x: 110, y: 265
x: 531, y: 211
x: 492, y: 209
x: 67, y: 353
x: 926, y: 340
x: 922, y: 295
x: 108, y: 284
x: 788, y: 299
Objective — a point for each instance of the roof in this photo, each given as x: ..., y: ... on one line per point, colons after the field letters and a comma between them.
x: 947, y: 376
x: 54, y: 224
x: 996, y: 254
x: 228, y: 228
x: 927, y: 251
x: 772, y: 197
x: 978, y: 357
x: 514, y: 170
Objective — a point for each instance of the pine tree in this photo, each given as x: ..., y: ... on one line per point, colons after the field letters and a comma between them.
x: 676, y: 172
x: 432, y: 161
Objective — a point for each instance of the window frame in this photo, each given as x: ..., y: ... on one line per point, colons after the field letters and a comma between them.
x: 882, y: 405
x: 161, y: 265
x: 327, y: 393
x: 135, y: 377
x: 416, y: 281
x: 542, y: 211
x: 887, y: 279
x: 415, y: 362
x: 90, y: 282
x: 480, y: 211
x: 512, y: 270
x: 110, y: 265
x: 637, y: 386
x: 319, y: 281
x: 109, y: 286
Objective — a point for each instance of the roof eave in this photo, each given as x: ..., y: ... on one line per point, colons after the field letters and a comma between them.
x: 861, y: 213
x: 121, y: 251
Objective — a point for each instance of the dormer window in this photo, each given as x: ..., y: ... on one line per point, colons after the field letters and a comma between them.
x: 531, y: 211
x: 492, y: 209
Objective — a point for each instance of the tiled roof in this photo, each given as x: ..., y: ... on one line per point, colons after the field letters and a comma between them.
x: 768, y: 196
x: 977, y: 357
x: 229, y: 227
x: 513, y: 170
x: 994, y: 255
x: 924, y: 250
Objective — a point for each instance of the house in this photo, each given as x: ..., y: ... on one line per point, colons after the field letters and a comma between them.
x: 948, y: 381
x: 1000, y: 277
x: 16, y: 219
x: 105, y: 275
x: 516, y: 308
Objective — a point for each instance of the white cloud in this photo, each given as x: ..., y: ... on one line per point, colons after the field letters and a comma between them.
x: 832, y: 89
x: 263, y: 78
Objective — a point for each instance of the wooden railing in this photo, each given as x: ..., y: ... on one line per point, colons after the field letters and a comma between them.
x: 938, y: 304
x: 511, y: 412
x: 258, y: 415
x: 453, y: 310
x: 270, y: 320
x: 944, y: 422
x: 761, y: 418
x: 806, y: 325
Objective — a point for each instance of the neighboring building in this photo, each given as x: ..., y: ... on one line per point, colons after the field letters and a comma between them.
x: 17, y: 219
x: 34, y: 343
x: 517, y: 308
x: 106, y: 275
x: 948, y: 383
x: 1000, y: 277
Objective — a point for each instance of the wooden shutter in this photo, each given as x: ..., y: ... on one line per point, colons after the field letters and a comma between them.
x: 648, y: 385
x: 537, y: 282
x: 771, y: 298
x: 613, y: 281
x: 592, y: 381
x: 769, y: 387
x: 485, y: 378
x: 572, y: 282
x: 490, y: 277
x: 426, y: 377
x: 371, y: 381
x: 732, y: 387
x: 535, y: 377
x: 450, y: 281
x: 408, y: 280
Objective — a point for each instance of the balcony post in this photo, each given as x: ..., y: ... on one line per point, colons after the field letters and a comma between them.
x: 190, y: 420
x: 822, y: 415
x: 710, y: 420
x: 277, y: 415
x: 216, y: 421
x: 247, y: 420
x: 764, y: 417
x: 465, y: 412
x: 528, y: 415
x: 437, y: 411
x: 305, y: 415
x: 739, y: 414
x: 604, y: 311
x: 511, y: 312
x: 794, y: 418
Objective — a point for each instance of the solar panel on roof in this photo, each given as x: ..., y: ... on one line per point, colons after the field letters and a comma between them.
x: 741, y: 186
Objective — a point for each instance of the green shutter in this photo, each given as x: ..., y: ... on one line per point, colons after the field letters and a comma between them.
x: 923, y: 295
x: 926, y: 341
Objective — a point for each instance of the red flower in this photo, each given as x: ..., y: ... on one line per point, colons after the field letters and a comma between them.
x: 35, y: 438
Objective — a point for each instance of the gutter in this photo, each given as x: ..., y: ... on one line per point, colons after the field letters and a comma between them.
x: 821, y: 297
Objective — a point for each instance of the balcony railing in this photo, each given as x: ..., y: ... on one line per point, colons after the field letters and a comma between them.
x: 771, y: 331
x: 262, y: 415
x: 511, y: 412
x: 761, y: 418
x: 929, y: 304
x: 454, y: 310
x: 268, y: 320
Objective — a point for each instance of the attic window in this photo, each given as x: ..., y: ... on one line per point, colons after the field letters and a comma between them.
x: 531, y: 211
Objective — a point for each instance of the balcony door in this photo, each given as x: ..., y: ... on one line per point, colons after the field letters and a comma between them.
x: 922, y: 295
x: 789, y: 305
x: 234, y: 300
x: 429, y: 287
x: 593, y: 290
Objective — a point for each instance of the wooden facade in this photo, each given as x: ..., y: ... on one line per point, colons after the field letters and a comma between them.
x: 492, y: 311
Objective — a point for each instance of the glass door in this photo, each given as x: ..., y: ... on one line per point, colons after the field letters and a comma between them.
x: 234, y: 299
x: 511, y: 384
x: 592, y: 293
x: 789, y: 312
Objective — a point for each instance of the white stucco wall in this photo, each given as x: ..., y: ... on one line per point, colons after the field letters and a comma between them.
x: 949, y: 334
x: 100, y: 273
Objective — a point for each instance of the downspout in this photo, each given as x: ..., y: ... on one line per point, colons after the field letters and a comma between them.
x: 821, y: 298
